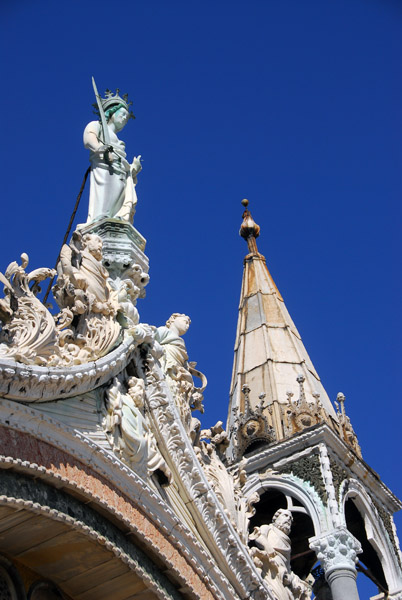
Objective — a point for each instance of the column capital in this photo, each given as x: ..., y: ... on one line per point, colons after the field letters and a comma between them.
x: 336, y: 550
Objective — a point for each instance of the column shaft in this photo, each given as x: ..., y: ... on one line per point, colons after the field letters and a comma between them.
x: 343, y: 584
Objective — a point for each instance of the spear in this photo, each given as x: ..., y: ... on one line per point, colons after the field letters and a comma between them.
x: 105, y: 129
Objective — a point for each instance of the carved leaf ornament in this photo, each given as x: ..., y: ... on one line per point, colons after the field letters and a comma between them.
x: 85, y: 329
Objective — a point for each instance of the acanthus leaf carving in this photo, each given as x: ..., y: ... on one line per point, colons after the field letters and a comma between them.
x: 28, y: 334
x: 336, y: 550
x: 96, y: 313
x: 170, y: 432
x: 228, y: 487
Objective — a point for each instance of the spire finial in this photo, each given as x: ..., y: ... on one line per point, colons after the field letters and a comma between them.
x: 249, y: 229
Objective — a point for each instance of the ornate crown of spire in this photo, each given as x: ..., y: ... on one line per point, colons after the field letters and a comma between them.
x: 112, y: 100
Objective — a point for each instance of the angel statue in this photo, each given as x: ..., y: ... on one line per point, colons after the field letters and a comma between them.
x: 113, y: 179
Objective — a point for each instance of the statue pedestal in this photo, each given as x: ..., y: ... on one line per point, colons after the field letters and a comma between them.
x: 123, y: 245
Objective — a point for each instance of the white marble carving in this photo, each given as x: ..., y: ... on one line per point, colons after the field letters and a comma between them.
x: 127, y: 428
x: 127, y: 288
x: 28, y: 333
x: 87, y: 324
x: 216, y: 530
x: 179, y: 372
x: 336, y: 550
x: 113, y: 179
x: 271, y: 554
x: 228, y: 487
x: 96, y: 314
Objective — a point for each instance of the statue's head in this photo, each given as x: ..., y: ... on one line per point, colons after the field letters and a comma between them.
x: 119, y: 115
x: 282, y: 519
x: 179, y: 322
x: 93, y: 244
x: 116, y: 107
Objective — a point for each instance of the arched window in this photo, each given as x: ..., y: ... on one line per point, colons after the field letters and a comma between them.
x: 371, y: 563
x: 302, y: 558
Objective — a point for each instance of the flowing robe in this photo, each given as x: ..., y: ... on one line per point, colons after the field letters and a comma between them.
x: 174, y: 348
x: 112, y: 186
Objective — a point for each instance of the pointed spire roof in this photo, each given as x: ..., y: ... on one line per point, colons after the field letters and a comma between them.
x: 269, y: 355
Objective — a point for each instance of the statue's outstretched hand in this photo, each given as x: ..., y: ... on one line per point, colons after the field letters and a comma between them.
x: 136, y: 166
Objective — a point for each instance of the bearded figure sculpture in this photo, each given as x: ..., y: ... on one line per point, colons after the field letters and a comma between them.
x: 271, y: 556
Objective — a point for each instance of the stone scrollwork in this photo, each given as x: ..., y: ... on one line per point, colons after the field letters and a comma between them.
x: 194, y: 485
x: 28, y: 333
x: 127, y: 428
x: 336, y: 550
x: 96, y: 313
x: 228, y: 487
x: 271, y: 555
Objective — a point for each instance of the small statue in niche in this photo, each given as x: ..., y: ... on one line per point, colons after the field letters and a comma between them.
x: 271, y: 555
x: 179, y: 371
x: 127, y: 429
x: 113, y: 179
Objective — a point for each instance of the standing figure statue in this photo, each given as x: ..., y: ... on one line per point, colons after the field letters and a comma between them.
x: 113, y: 179
x: 272, y: 557
x: 179, y: 371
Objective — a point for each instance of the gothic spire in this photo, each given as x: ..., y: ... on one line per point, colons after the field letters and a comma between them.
x: 275, y: 389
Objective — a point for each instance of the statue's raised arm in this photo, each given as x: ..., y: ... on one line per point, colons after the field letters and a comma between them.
x: 113, y: 179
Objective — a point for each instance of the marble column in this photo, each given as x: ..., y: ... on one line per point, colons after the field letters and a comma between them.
x: 337, y: 552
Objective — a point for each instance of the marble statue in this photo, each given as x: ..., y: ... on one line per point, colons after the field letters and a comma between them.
x: 128, y: 430
x: 87, y: 325
x: 179, y: 371
x: 113, y: 179
x: 271, y: 555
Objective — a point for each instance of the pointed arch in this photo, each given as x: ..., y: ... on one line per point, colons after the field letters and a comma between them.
x: 307, y: 497
x: 375, y: 530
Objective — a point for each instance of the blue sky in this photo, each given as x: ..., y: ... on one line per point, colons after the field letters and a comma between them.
x: 293, y: 105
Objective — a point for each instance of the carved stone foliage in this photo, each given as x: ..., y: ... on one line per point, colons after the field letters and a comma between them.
x: 127, y: 428
x: 228, y: 486
x: 387, y: 522
x: 28, y: 332
x: 339, y: 475
x: 95, y: 315
x: 215, y: 527
x: 336, y: 550
x: 271, y: 554
x: 308, y: 468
